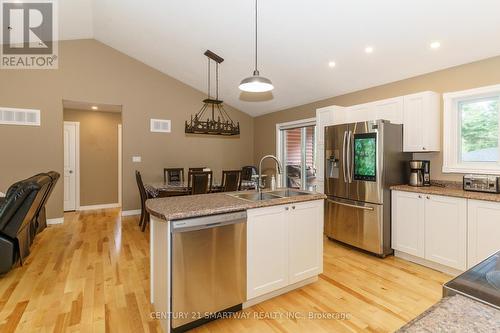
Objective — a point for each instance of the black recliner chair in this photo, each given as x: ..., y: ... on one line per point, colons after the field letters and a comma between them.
x: 18, y: 210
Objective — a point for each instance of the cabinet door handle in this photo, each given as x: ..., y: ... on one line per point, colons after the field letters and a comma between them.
x: 287, y: 208
x: 423, y: 148
x: 420, y: 197
x: 428, y: 197
x: 293, y: 207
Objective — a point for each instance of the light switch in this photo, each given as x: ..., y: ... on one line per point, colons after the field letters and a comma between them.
x: 136, y: 159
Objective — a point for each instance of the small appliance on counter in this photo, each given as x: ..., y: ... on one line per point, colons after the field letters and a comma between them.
x: 420, y: 174
x: 482, y: 183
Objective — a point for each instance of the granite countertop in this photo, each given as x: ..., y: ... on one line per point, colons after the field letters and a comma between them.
x: 451, y: 189
x: 182, y: 207
x: 456, y: 314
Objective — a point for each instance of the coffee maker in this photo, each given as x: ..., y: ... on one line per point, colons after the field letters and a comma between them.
x: 420, y: 174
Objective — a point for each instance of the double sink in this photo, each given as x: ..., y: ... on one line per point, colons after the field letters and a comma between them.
x: 264, y: 196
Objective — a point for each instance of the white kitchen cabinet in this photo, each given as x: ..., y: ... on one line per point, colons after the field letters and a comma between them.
x: 421, y: 122
x: 446, y: 231
x: 284, y: 246
x: 305, y: 240
x: 320, y: 162
x: 267, y: 250
x: 483, y: 230
x: 430, y: 227
x: 408, y: 223
x: 390, y: 109
x: 360, y: 113
x: 324, y: 117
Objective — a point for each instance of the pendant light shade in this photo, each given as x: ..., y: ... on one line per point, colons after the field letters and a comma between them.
x: 256, y: 83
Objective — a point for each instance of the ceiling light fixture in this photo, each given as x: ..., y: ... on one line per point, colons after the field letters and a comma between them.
x: 212, y: 118
x: 435, y: 45
x: 256, y: 83
x: 369, y: 49
x: 332, y: 64
x: 94, y: 108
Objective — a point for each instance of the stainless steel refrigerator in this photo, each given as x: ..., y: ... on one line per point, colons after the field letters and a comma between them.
x: 362, y: 160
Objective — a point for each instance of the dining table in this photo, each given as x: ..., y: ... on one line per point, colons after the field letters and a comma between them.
x: 175, y: 188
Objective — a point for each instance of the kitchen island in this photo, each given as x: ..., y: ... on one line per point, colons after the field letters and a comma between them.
x: 275, y: 246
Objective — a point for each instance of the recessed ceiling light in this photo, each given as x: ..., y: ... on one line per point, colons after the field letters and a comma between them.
x: 332, y: 64
x: 369, y: 49
x: 435, y: 45
x: 94, y: 107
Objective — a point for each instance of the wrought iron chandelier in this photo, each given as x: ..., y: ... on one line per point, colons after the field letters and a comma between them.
x: 205, y: 121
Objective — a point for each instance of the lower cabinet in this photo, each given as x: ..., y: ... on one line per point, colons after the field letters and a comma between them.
x: 284, y: 245
x: 446, y: 231
x: 431, y: 227
x: 408, y: 223
x: 483, y: 230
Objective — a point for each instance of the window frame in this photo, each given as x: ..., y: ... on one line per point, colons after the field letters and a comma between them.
x: 452, y: 144
x: 281, y: 154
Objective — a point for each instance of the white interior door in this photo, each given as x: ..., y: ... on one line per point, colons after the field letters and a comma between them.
x: 70, y: 166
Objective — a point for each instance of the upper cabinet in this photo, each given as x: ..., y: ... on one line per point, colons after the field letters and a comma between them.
x: 419, y: 113
x: 328, y: 116
x: 421, y: 122
x: 390, y: 109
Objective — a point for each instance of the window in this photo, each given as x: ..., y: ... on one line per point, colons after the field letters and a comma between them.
x: 472, y: 131
x: 296, y: 149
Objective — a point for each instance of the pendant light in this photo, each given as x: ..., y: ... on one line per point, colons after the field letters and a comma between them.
x: 256, y: 83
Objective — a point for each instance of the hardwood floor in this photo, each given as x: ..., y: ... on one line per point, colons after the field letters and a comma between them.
x: 92, y: 274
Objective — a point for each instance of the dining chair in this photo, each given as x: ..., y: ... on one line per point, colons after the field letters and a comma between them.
x: 173, y: 175
x: 201, y: 181
x: 144, y: 219
x: 231, y: 180
x: 197, y: 169
x: 191, y: 170
x: 247, y: 172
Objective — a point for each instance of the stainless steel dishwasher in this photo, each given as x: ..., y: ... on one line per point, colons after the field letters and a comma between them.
x: 208, y: 268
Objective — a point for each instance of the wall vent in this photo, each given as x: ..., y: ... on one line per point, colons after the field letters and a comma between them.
x: 26, y: 117
x: 161, y: 125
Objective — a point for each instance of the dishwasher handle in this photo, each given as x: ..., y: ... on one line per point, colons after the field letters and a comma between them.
x: 207, y: 222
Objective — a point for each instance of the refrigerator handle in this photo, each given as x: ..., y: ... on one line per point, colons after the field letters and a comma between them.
x: 349, y: 156
x: 344, y: 157
x: 349, y: 205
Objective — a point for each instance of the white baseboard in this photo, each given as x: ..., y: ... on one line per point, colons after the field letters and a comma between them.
x: 427, y: 263
x: 105, y: 206
x: 265, y: 297
x: 58, y: 220
x: 131, y: 212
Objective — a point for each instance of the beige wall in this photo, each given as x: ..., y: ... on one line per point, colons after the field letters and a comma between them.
x: 477, y: 74
x: 98, y: 155
x: 92, y: 72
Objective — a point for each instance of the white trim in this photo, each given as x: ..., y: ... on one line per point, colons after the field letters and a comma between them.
x: 427, y: 263
x: 120, y: 172
x: 104, y: 206
x: 451, y: 144
x: 131, y: 212
x: 58, y: 220
x: 265, y: 297
x: 77, y: 161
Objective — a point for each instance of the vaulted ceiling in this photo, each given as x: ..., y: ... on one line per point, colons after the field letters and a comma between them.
x: 297, y: 40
